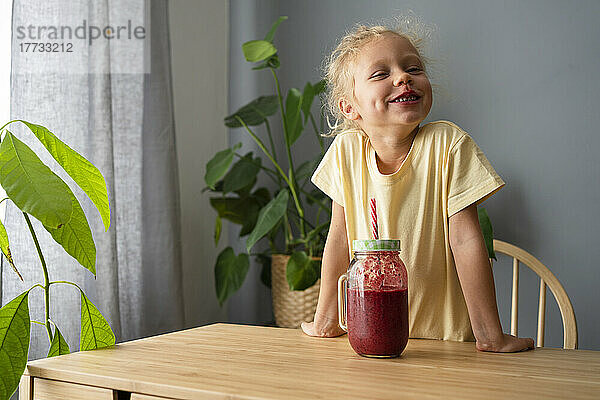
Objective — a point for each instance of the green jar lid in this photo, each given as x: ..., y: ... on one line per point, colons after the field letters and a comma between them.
x: 376, y: 245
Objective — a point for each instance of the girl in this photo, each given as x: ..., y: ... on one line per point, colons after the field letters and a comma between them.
x: 427, y: 181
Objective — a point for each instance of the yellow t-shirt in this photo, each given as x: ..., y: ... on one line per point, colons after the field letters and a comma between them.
x: 444, y: 172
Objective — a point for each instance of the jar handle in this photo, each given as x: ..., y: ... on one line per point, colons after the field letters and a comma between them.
x: 342, y: 313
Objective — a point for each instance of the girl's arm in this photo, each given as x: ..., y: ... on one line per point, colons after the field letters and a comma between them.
x: 477, y: 282
x: 334, y: 264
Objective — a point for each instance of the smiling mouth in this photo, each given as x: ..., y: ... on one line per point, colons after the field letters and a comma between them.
x: 412, y: 99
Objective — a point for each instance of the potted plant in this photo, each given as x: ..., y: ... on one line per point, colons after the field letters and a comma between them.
x: 40, y: 193
x: 292, y: 261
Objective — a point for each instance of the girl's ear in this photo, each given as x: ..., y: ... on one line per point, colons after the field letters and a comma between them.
x: 348, y: 110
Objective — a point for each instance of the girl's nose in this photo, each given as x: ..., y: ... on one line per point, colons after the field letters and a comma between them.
x: 402, y: 78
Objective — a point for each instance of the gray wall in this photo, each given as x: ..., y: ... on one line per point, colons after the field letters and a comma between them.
x: 248, y: 19
x: 199, y: 28
x: 521, y: 78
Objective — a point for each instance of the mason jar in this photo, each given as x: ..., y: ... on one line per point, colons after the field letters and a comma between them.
x: 373, y: 299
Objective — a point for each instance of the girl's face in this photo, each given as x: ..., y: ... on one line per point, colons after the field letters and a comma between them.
x: 385, y: 69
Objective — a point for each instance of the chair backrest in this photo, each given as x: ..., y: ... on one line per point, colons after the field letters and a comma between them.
x: 546, y: 279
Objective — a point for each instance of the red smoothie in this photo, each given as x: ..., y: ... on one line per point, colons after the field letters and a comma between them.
x: 377, y: 321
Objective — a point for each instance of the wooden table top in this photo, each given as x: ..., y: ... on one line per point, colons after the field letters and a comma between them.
x: 228, y: 361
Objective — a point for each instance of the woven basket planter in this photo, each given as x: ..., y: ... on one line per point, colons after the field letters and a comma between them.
x: 291, y: 307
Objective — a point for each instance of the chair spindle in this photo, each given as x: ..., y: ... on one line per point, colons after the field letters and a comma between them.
x: 541, y: 314
x: 514, y: 312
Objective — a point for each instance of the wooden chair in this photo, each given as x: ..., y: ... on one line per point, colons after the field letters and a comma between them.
x: 546, y: 278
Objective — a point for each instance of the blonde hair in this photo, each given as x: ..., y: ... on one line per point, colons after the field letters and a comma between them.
x: 338, y: 67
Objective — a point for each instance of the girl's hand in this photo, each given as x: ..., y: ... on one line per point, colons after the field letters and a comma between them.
x: 335, y: 263
x: 322, y: 326
x: 506, y: 344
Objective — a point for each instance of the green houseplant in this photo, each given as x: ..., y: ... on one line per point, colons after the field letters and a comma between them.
x: 280, y: 215
x: 39, y: 193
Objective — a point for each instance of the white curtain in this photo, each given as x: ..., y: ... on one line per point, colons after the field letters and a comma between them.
x: 101, y: 103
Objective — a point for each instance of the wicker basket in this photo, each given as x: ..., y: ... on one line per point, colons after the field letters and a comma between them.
x: 291, y: 307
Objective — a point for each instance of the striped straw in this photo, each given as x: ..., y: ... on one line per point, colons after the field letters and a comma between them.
x: 374, y: 219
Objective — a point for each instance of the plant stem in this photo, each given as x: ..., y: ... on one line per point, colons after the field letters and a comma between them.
x: 263, y: 148
x: 314, y: 199
x: 305, y: 220
x: 283, y: 175
x: 291, y: 237
x: 285, y: 127
x: 272, y: 146
x: 286, y: 232
x: 272, y: 245
x: 319, y: 138
x: 46, y: 279
x: 268, y: 126
x: 292, y: 178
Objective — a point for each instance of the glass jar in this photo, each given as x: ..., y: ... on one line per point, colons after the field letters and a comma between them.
x: 373, y: 299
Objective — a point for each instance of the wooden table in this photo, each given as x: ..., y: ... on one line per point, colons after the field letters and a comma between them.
x: 226, y: 361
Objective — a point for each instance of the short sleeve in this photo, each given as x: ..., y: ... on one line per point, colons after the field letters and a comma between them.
x: 327, y: 175
x: 471, y: 177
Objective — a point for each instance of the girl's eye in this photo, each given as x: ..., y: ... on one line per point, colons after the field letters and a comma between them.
x: 384, y: 74
x: 379, y: 75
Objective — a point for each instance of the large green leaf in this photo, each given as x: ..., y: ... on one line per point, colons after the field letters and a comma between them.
x: 230, y: 208
x: 315, y: 194
x: 95, y: 331
x: 243, y: 211
x: 319, y: 87
x: 218, y: 227
x: 265, y: 271
x: 254, y: 113
x: 272, y: 61
x: 14, y: 343
x: 301, y: 272
x: 486, y: 229
x: 308, y: 95
x: 6, y: 249
x: 250, y: 219
x: 59, y: 345
x: 262, y: 196
x: 218, y: 166
x: 271, y: 34
x: 230, y: 272
x: 76, y: 238
x: 83, y: 172
x: 242, y: 173
x: 245, y: 191
x: 258, y: 50
x: 31, y: 185
x: 293, y: 104
x: 268, y: 218
x: 306, y: 169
